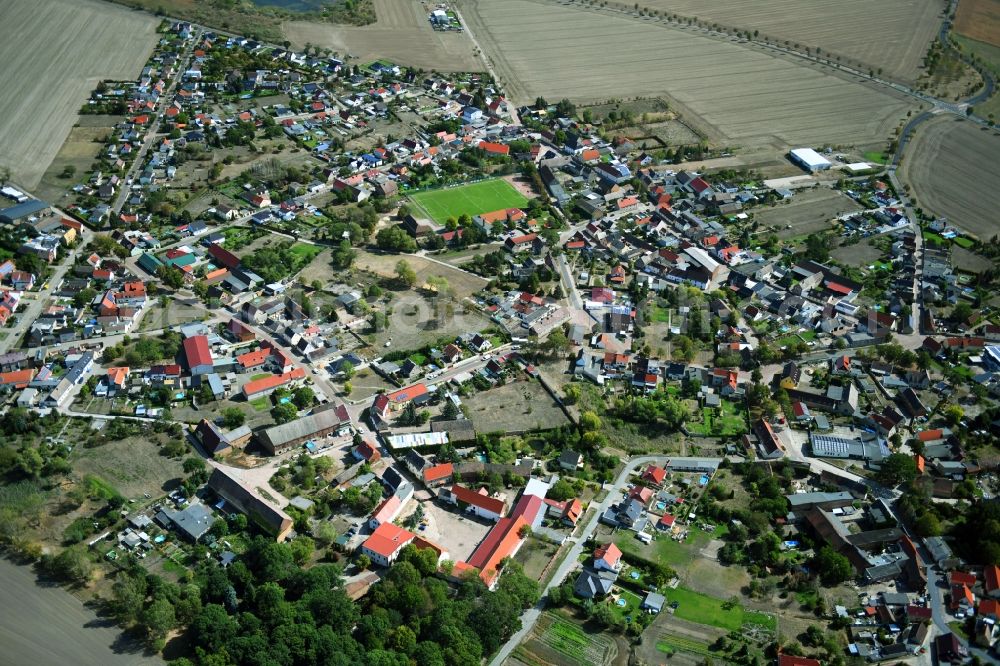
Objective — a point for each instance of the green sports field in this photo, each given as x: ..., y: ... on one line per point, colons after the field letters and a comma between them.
x: 483, y: 197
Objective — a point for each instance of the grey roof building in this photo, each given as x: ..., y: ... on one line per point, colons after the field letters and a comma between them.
x: 590, y: 583
x: 193, y: 522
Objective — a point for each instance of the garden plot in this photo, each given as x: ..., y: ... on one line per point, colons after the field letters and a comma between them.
x: 748, y: 95
x: 514, y: 407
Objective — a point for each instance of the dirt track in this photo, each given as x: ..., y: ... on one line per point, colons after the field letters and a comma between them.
x: 953, y: 168
x: 402, y: 34
x: 51, y: 626
x: 54, y: 52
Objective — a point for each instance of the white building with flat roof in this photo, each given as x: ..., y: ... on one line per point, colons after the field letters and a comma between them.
x: 809, y: 159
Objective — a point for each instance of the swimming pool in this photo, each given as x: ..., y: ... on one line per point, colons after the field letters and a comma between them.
x: 661, y: 505
x: 621, y: 602
x: 703, y: 480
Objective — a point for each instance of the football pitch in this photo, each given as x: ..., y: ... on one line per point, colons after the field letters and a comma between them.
x: 483, y: 197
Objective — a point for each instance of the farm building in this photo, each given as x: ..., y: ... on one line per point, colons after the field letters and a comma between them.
x: 279, y: 438
x: 270, y: 518
x: 477, y: 502
x: 809, y: 159
x: 20, y: 211
x: 198, y: 355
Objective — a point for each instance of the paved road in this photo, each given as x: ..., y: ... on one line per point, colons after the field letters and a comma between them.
x: 139, y: 162
x: 571, y: 558
x: 47, y: 626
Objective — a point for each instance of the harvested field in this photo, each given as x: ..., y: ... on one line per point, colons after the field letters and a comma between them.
x: 402, y: 34
x: 894, y: 35
x: 742, y: 95
x: 979, y: 19
x: 54, y: 53
x: 952, y: 167
x: 807, y: 212
x: 513, y: 407
x: 482, y: 197
x: 462, y: 283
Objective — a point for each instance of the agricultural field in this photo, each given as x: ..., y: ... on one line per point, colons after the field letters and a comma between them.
x: 536, y: 49
x: 482, y: 197
x: 807, y: 212
x: 979, y: 20
x: 515, y: 406
x: 54, y: 53
x: 560, y: 642
x: 401, y: 34
x: 462, y: 283
x: 894, y: 36
x: 952, y: 166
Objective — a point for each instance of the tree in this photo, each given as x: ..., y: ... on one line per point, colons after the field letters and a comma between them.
x: 832, y: 567
x: 284, y: 413
x: 303, y: 397
x: 897, y: 468
x: 395, y: 239
x: 405, y: 274
x: 590, y: 421
x: 192, y: 465
x: 561, y: 491
x: 363, y: 562
x: 954, y: 415
x: 233, y: 417
x: 158, y: 619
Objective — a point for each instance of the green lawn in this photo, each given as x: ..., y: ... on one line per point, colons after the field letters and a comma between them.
x: 703, y: 609
x: 259, y: 375
x: 876, y: 156
x: 724, y: 421
x: 658, y: 314
x: 963, y: 242
x: 304, y: 253
x: 473, y: 199
x: 261, y: 404
x: 631, y: 607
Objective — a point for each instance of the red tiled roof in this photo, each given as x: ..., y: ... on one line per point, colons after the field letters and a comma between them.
x: 196, y: 351
x: 438, y: 472
x: 387, y: 539
x: 991, y: 578
x: 274, y: 381
x: 501, y: 542
x: 609, y: 552
x: 792, y: 660
x: 471, y: 497
x: 17, y: 378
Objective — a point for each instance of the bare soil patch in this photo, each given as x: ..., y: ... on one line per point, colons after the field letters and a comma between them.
x: 402, y: 34
x: 516, y: 406
x: 979, y: 19
x: 952, y: 166
x: 805, y: 213
x: 54, y: 52
x: 462, y: 283
x: 81, y: 147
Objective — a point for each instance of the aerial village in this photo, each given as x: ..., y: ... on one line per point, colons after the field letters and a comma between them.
x: 383, y: 309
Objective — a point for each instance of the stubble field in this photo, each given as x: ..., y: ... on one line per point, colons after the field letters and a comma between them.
x: 402, y: 34
x: 979, y: 20
x: 53, y: 53
x: 748, y: 96
x: 893, y: 34
x: 952, y: 167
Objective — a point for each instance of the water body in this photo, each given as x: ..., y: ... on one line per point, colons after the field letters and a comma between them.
x: 296, y: 5
x: 44, y: 625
